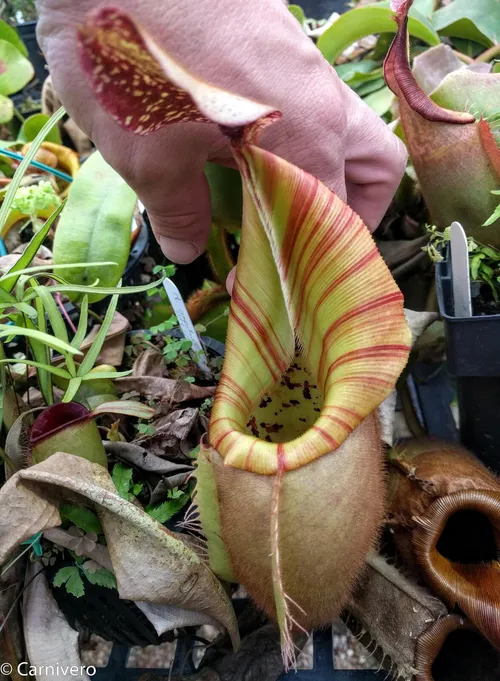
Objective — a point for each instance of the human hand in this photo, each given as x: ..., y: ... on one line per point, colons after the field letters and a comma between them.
x: 255, y: 49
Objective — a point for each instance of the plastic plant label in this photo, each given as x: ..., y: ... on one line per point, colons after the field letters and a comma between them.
x: 186, y: 325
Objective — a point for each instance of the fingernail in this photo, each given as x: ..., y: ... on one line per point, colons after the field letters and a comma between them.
x: 180, y: 252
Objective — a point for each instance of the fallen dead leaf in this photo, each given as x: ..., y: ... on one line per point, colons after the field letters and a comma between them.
x: 50, y: 642
x: 149, y: 363
x: 176, y: 434
x: 165, y: 390
x: 172, y: 574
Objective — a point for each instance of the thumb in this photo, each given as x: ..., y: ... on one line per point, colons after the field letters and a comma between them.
x: 166, y: 172
x: 180, y: 216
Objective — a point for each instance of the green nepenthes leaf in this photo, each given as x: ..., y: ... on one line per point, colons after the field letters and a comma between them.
x: 127, y: 408
x: 31, y: 249
x: 7, y: 331
x: 366, y: 20
x: 11, y: 36
x: 32, y: 126
x: 96, y: 224
x: 17, y: 71
x: 478, y: 21
x: 73, y: 387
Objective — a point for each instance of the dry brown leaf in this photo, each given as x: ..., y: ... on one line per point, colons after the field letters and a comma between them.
x: 11, y: 637
x: 149, y: 363
x: 141, y: 458
x: 114, y: 347
x: 162, y: 617
x: 24, y: 513
x: 166, y: 390
x: 50, y: 642
x: 151, y: 563
x: 176, y: 434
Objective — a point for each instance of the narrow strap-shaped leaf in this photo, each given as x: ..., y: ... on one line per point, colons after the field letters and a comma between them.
x: 93, y: 352
x: 46, y: 367
x: 56, y: 321
x: 20, y: 307
x: 41, y: 352
x: 98, y: 375
x: 46, y: 270
x: 7, y: 282
x: 109, y: 291
x: 73, y: 387
x: 55, y: 317
x: 50, y: 341
x: 81, y: 331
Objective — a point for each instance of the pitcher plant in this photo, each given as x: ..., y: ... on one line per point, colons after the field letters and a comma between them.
x: 290, y: 486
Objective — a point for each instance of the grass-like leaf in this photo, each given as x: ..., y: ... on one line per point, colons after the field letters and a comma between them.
x: 62, y: 373
x: 32, y: 248
x: 81, y: 331
x: 93, y: 353
x: 19, y: 174
x: 6, y: 331
x: 73, y: 387
x: 43, y: 269
x: 97, y: 375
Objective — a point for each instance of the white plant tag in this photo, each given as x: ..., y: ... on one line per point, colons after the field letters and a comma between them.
x: 186, y: 325
x: 460, y: 271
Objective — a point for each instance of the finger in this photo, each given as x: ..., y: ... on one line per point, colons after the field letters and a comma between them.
x: 375, y: 162
x: 180, y: 216
x: 166, y: 172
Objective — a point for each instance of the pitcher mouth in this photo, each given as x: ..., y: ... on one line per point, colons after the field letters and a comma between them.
x: 56, y: 418
x: 452, y: 649
x: 457, y: 545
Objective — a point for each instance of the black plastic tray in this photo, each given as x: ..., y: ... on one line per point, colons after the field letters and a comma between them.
x: 322, y: 662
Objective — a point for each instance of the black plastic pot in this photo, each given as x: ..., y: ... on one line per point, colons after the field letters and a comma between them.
x: 322, y: 9
x: 473, y: 354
